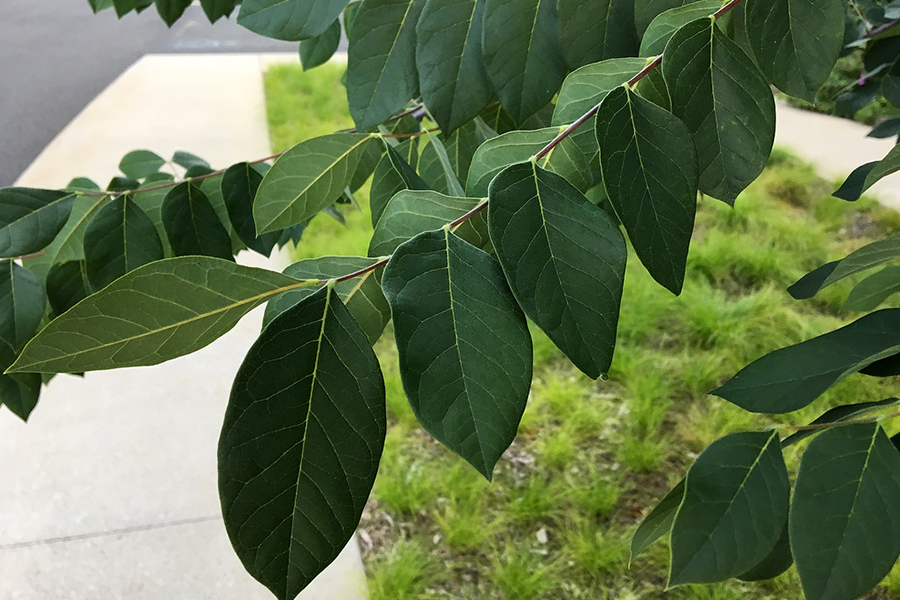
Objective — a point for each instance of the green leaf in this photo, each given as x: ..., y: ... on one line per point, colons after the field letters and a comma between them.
x: 139, y: 164
x: 658, y: 523
x: 309, y: 177
x: 465, y: 351
x: 726, y: 104
x: 407, y: 172
x: 450, y: 180
x: 171, y: 10
x: 586, y: 87
x: 796, y: 42
x: 867, y: 175
x: 869, y: 256
x: 381, y: 60
x: 69, y: 242
x: 119, y: 239
x: 522, y: 54
x: 216, y: 9
x: 192, y: 225
x: 650, y: 174
x: 22, y: 302
x: 318, y: 50
x: 186, y: 303
x: 123, y: 7
x: 808, y: 285
x: 31, y: 218
x: 776, y: 562
x: 303, y: 435
x: 122, y: 184
x: 564, y: 259
x: 82, y: 184
x: 653, y: 88
x: 239, y: 186
x: 361, y: 295
x: 646, y: 11
x: 790, y: 378
x: 98, y: 5
x: 667, y: 23
x: 453, y: 82
x: 734, y: 508
x: 19, y: 392
x: 188, y: 160
x: 837, y: 415
x: 150, y: 201
x: 67, y: 285
x: 594, y: 30
x: 873, y: 290
x: 212, y: 189
x: 566, y: 159
x: 290, y: 20
x: 410, y: 212
x: 845, y: 515
x: 386, y: 181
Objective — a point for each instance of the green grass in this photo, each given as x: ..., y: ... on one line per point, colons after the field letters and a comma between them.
x: 593, y: 456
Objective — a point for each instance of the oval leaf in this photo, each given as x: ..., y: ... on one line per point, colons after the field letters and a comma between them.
x: 22, y: 303
x: 845, y: 515
x: 185, y: 303
x: 465, y: 351
x: 667, y: 23
x: 790, y: 378
x: 564, y: 259
x: 31, y: 218
x: 734, y: 508
x: 308, y: 178
x: 239, y: 186
x: 119, y: 239
x: 192, y: 225
x: 302, y: 437
x: 594, y: 30
x: 139, y: 164
x: 318, y: 50
x: 711, y: 81
x: 650, y: 174
x: 289, y: 20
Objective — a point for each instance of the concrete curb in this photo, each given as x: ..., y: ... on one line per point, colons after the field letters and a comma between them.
x: 110, y: 489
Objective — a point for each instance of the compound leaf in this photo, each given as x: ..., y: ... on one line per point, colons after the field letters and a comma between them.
x: 465, y: 351
x: 564, y: 259
x: 302, y: 437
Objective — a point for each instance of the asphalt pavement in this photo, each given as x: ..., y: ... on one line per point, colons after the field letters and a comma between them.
x: 56, y: 56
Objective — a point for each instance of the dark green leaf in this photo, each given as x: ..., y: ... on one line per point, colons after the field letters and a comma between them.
x: 212, y: 189
x: 453, y: 81
x: 869, y: 256
x: 407, y: 172
x: 192, y: 225
x: 216, y: 9
x: 653, y: 88
x: 734, y: 509
x: 584, y: 88
x: 775, y: 563
x: 367, y: 163
x: 361, y: 295
x: 122, y: 184
x: 239, y: 186
x: 886, y: 129
x: 82, y: 184
x: 726, y: 104
x: 451, y: 185
x: 667, y: 23
x: 886, y: 367
x: 566, y: 159
x: 317, y: 50
x: 658, y: 523
x: 290, y: 20
x: 171, y: 10
x: 186, y: 303
x: 123, y: 7
x: 796, y: 42
x: 381, y: 61
x: 650, y: 174
x: 792, y: 377
x: 306, y: 179
x: 18, y: 392
x: 119, y: 239
x: 302, y: 437
x: 647, y: 10
x: 836, y: 415
x: 31, y: 218
x: 67, y: 285
x: 522, y: 54
x: 98, y: 5
x: 564, y: 259
x: 69, y: 243
x: 188, y: 160
x: 386, y: 181
x: 594, y: 30
x: 139, y: 164
x: 465, y: 351
x: 855, y: 184
x: 22, y: 302
x: 873, y: 290
x: 845, y: 515
x: 410, y: 212
x: 808, y: 285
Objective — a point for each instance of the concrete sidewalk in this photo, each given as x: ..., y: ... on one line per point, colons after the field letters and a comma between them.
x: 109, y: 491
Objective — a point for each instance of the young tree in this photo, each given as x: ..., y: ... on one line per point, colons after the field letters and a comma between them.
x: 557, y: 126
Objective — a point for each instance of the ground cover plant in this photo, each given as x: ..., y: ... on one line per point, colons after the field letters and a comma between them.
x: 521, y: 154
x: 591, y: 458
